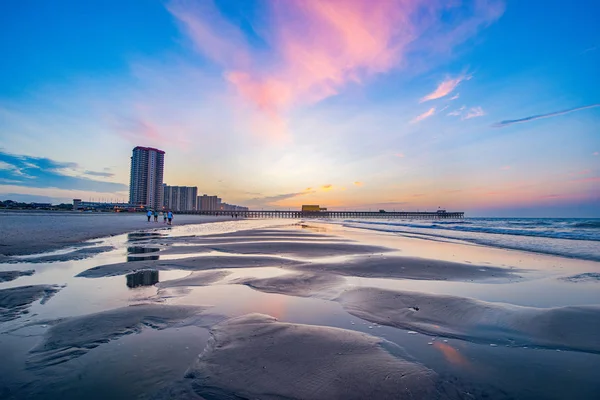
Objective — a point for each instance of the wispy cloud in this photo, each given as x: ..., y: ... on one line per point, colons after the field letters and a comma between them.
x: 465, y: 113
x: 399, y: 155
x: 595, y: 153
x: 502, y: 124
x: 583, y: 172
x: 327, y: 187
x: 587, y: 180
x: 445, y: 88
x: 271, y: 200
x: 40, y: 172
x: 423, y: 116
x: 594, y: 48
x: 457, y: 113
x: 505, y: 168
x: 474, y: 112
x: 456, y: 96
x: 357, y: 183
x: 98, y: 173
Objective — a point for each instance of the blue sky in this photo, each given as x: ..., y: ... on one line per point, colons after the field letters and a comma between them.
x: 377, y: 104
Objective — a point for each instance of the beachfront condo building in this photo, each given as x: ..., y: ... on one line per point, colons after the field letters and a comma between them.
x: 208, y: 203
x: 180, y: 198
x: 214, y: 203
x: 146, y: 179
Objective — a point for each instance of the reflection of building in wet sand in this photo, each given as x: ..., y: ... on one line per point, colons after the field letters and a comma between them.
x: 133, y: 253
x: 139, y: 236
x: 142, y: 278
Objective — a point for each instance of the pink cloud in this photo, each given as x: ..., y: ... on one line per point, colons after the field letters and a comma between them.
x: 586, y: 180
x: 445, y: 88
x: 316, y: 48
x: 595, y: 153
x: 505, y: 168
x: 400, y: 155
x: 474, y: 112
x: 584, y: 172
x: 423, y: 116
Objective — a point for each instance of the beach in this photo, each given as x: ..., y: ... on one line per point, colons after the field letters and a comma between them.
x: 294, y: 309
x: 28, y: 232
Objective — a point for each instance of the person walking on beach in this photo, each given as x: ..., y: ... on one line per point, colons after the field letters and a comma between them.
x: 165, y: 216
x: 149, y: 214
x: 155, y: 215
x: 170, y: 217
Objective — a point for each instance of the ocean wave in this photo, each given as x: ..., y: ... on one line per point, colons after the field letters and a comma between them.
x: 593, y: 224
x: 548, y: 233
x: 530, y: 223
x: 583, y: 249
x: 555, y: 230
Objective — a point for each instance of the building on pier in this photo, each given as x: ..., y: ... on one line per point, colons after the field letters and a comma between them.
x: 312, y: 208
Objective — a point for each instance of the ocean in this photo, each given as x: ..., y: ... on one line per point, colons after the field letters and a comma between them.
x: 566, y: 237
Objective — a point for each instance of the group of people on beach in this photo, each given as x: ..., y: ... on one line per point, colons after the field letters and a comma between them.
x: 167, y: 216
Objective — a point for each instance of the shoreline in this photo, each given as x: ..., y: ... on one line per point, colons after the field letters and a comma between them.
x: 40, y: 232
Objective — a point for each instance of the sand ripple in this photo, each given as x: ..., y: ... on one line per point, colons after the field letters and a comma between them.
x: 570, y: 328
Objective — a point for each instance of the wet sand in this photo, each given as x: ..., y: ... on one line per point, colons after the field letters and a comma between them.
x: 303, y: 285
x: 78, y: 254
x: 566, y: 328
x: 74, y: 337
x: 296, y: 311
x: 36, y: 232
x: 203, y: 278
x: 255, y: 356
x: 6, y: 276
x: 15, y: 301
x: 186, y: 264
x: 400, y: 267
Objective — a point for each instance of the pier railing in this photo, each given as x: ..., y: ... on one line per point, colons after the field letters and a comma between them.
x: 332, y: 214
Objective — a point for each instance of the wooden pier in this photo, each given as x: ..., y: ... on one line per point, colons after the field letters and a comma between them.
x: 333, y: 214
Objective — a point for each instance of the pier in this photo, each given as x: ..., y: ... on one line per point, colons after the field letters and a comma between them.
x: 333, y: 214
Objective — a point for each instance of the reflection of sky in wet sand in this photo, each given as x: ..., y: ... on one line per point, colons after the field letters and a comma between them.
x: 235, y: 300
x: 451, y: 354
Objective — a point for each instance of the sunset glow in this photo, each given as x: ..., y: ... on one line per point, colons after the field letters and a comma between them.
x: 395, y: 104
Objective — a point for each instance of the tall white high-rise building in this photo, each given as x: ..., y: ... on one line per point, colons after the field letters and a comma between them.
x: 146, y: 179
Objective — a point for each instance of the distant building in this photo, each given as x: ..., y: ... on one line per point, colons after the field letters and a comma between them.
x: 80, y: 205
x: 231, y: 207
x: 312, y: 208
x: 180, y: 198
x: 209, y: 203
x: 214, y: 203
x: 146, y: 179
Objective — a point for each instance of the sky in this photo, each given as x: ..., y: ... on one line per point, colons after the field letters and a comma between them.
x: 487, y: 106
